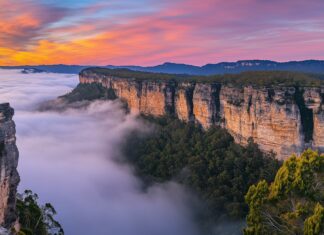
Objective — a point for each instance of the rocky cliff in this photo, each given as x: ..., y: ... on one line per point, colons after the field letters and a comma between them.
x: 279, y: 118
x: 9, y: 177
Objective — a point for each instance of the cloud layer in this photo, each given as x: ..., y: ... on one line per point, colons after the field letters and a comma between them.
x: 68, y: 159
x: 148, y: 32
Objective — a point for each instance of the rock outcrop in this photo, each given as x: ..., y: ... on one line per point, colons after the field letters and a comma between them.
x: 280, y: 119
x: 269, y: 116
x: 314, y: 101
x: 9, y: 177
x: 184, y: 101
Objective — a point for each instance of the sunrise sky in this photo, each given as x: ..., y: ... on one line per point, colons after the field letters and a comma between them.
x: 149, y: 32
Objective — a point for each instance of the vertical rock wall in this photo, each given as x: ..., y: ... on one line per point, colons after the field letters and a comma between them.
x: 9, y: 177
x: 206, y: 107
x: 128, y: 91
x: 184, y: 101
x: 269, y: 116
x: 314, y: 100
x: 278, y: 118
x: 156, y: 98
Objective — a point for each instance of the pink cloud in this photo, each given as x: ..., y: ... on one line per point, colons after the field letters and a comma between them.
x: 188, y: 31
x: 23, y: 21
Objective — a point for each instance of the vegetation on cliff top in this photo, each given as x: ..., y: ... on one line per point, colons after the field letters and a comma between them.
x: 89, y: 92
x: 293, y: 203
x: 255, y: 78
x: 36, y: 219
x: 208, y: 162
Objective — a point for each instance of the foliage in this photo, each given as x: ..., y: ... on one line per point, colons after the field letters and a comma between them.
x: 255, y: 78
x: 132, y: 74
x: 36, y: 219
x: 315, y: 223
x: 209, y: 162
x: 293, y: 203
x: 89, y: 92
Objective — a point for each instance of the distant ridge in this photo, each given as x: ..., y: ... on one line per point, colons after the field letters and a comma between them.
x: 308, y: 66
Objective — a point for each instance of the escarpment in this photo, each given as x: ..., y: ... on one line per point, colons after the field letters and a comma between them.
x: 280, y: 118
x: 268, y: 115
x: 206, y: 105
x: 9, y: 177
x: 314, y: 102
x: 184, y: 101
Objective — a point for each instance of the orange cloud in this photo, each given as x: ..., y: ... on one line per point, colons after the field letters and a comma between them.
x: 22, y: 22
x: 187, y: 31
x: 129, y: 42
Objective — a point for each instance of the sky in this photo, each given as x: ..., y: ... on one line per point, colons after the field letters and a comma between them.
x: 150, y: 32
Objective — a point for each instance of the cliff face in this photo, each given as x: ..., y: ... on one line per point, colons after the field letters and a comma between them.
x: 279, y: 119
x: 9, y: 177
x: 147, y: 97
x: 314, y: 101
x: 269, y: 116
x: 184, y: 101
x: 206, y: 104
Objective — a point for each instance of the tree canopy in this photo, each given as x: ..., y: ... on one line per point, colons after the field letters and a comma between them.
x: 36, y: 219
x: 208, y: 162
x: 293, y: 203
x: 254, y: 78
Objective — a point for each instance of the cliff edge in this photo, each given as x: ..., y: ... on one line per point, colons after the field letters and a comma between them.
x: 282, y: 112
x: 9, y: 177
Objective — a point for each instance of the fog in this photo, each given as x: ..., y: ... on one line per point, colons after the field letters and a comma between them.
x: 68, y: 159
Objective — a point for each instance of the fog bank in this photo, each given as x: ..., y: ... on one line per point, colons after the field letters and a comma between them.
x: 68, y: 159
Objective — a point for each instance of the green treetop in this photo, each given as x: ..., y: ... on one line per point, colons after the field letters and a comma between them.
x: 293, y: 203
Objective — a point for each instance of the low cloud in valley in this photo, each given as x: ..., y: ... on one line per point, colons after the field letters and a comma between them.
x: 68, y: 158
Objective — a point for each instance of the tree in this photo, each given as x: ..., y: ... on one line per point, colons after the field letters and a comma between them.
x: 35, y: 219
x: 293, y: 203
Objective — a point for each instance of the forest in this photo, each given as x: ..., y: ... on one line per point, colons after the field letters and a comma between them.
x: 209, y: 163
x: 255, y: 78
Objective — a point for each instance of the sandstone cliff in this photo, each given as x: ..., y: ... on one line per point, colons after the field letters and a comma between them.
x: 9, y: 177
x: 279, y: 118
x: 270, y: 116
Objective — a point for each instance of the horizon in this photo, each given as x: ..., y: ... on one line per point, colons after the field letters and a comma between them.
x: 148, y: 32
x: 163, y: 63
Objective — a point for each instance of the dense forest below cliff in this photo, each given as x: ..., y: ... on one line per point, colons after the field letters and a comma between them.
x: 208, y: 162
x: 255, y: 78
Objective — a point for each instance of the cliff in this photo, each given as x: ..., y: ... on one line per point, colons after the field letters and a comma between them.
x: 282, y: 118
x: 9, y: 177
